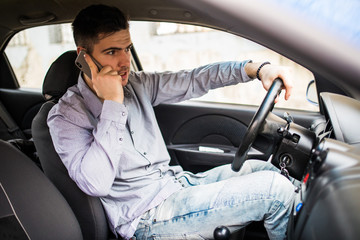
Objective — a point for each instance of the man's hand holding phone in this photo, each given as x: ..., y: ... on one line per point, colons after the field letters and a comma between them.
x: 105, y: 82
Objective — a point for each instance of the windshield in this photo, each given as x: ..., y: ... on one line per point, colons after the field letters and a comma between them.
x: 341, y: 18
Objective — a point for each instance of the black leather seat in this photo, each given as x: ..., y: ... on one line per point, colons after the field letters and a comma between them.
x: 88, y: 210
x: 30, y: 205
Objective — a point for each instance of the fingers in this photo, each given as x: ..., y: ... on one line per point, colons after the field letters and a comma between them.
x: 276, y: 99
x: 111, y: 72
x: 107, y: 70
x: 288, y: 91
x: 287, y: 81
x: 273, y: 72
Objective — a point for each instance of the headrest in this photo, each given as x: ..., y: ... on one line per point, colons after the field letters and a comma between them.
x: 61, y: 75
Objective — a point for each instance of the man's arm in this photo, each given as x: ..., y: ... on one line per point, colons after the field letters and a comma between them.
x: 90, y: 153
x: 171, y: 87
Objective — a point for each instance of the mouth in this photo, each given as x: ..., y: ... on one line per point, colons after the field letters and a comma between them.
x: 123, y: 75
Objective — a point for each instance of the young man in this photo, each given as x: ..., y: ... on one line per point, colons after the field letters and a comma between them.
x: 104, y: 130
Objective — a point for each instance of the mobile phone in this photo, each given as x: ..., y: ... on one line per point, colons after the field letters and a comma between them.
x: 81, y: 63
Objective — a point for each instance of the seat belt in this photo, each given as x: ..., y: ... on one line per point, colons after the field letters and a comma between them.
x: 12, y: 127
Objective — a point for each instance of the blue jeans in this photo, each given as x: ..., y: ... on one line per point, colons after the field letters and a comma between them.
x: 222, y: 197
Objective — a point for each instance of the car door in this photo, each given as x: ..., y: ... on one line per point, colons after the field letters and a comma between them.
x: 206, y: 132
x: 201, y: 136
x: 201, y: 133
x: 24, y: 63
x: 20, y: 103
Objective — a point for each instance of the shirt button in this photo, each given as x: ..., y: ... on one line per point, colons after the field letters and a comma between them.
x: 182, y: 185
x: 120, y: 139
x: 132, y: 132
x: 144, y: 153
x: 123, y: 113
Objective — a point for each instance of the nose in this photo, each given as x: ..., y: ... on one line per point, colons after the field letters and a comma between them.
x: 124, y: 58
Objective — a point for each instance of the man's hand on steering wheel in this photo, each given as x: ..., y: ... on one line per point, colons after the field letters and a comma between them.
x: 273, y: 78
x: 267, y: 73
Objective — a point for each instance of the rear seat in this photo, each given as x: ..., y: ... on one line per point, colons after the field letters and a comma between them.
x: 8, y: 128
x: 10, y: 132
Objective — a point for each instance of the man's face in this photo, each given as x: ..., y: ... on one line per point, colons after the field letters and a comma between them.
x: 114, y: 51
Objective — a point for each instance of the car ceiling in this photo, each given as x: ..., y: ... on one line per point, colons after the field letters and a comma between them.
x: 267, y: 25
x: 21, y: 14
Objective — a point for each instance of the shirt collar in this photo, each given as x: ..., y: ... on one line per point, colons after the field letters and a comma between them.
x: 91, y: 101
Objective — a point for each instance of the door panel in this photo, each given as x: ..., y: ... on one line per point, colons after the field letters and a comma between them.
x: 21, y: 104
x: 207, y: 141
x: 201, y: 135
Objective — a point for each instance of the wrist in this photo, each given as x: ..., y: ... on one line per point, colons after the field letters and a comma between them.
x: 259, y: 69
x: 253, y: 70
x: 118, y: 99
x: 250, y: 69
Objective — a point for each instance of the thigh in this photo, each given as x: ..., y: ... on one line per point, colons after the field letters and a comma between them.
x: 194, y: 212
x: 224, y: 172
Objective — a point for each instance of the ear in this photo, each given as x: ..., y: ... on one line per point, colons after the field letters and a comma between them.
x: 78, y: 49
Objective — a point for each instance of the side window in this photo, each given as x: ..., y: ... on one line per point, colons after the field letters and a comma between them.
x: 161, y: 47
x: 169, y: 46
x: 32, y: 51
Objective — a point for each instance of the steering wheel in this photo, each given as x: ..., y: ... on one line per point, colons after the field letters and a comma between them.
x: 255, y: 124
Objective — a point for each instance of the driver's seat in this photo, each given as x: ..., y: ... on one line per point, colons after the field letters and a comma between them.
x: 61, y: 75
x: 88, y: 210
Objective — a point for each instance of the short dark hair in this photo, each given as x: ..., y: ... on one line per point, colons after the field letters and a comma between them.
x: 96, y: 20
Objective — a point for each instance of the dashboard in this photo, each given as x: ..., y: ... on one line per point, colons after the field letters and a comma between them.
x: 330, y: 187
x: 343, y: 114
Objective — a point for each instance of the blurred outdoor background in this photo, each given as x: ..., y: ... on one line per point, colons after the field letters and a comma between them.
x: 162, y: 47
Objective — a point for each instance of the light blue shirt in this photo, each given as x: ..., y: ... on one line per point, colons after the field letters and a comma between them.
x: 116, y: 151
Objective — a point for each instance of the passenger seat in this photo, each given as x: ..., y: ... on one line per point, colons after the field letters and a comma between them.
x: 30, y: 205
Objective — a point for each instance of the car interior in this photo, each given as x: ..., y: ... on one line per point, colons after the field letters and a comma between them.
x: 320, y: 149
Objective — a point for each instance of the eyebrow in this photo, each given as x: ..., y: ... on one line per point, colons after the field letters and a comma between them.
x: 116, y: 48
